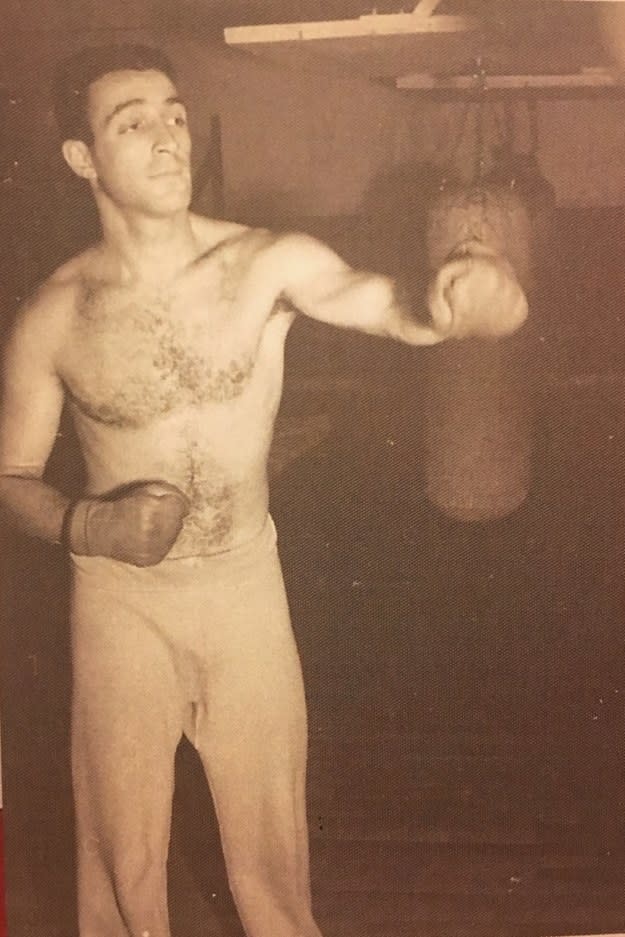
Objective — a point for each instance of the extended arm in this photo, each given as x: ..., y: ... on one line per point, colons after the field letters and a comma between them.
x: 475, y: 293
x: 321, y: 285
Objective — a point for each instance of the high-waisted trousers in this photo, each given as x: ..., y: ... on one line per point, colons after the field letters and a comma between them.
x: 201, y: 646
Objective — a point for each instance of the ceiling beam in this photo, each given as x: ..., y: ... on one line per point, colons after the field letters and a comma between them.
x: 393, y: 24
x: 589, y: 78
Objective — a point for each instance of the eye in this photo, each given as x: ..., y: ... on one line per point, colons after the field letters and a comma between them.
x: 180, y: 120
x: 132, y: 126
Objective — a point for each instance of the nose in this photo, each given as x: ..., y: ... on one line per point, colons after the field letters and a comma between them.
x: 165, y: 139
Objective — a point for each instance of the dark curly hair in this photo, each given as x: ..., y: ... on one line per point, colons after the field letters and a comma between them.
x: 75, y: 75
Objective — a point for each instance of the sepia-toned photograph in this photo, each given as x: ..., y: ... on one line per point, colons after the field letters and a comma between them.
x: 312, y: 468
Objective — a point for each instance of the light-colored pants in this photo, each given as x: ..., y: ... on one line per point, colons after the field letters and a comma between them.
x: 204, y: 647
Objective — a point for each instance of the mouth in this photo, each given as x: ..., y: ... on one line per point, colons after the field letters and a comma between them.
x: 172, y: 172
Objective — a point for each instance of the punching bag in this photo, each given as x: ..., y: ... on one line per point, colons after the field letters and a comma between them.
x: 478, y: 434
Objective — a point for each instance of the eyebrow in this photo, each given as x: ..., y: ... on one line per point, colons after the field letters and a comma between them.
x: 134, y: 101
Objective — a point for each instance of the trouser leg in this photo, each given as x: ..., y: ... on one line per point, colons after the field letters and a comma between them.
x: 252, y: 738
x: 126, y: 723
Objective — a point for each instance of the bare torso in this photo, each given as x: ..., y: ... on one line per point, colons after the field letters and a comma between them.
x: 182, y: 385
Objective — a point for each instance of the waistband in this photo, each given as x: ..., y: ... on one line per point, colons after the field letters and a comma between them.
x: 227, y: 566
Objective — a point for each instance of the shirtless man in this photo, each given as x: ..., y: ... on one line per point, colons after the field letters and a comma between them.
x: 166, y: 341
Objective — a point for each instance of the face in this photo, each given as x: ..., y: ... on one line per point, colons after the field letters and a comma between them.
x: 140, y: 154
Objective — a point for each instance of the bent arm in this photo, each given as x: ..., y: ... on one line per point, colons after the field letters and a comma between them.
x: 32, y: 400
x: 322, y: 286
x: 33, y: 507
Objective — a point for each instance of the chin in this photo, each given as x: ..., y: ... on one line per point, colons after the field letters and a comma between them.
x: 169, y: 205
x: 173, y: 194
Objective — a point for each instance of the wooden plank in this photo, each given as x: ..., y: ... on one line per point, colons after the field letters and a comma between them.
x: 593, y: 78
x: 401, y: 24
x: 406, y: 24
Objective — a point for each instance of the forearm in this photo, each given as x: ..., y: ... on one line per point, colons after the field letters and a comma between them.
x: 33, y: 507
x: 138, y: 527
x: 375, y: 304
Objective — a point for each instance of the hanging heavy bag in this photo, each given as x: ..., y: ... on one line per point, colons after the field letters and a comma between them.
x: 478, y: 437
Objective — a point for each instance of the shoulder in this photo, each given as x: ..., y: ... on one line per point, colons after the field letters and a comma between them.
x: 298, y: 258
x: 60, y: 293
x: 303, y: 250
x: 42, y: 320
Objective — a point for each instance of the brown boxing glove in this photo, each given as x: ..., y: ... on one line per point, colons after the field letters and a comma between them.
x: 476, y: 294
x: 138, y: 526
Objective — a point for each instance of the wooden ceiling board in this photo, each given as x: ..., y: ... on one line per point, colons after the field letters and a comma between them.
x: 376, y: 56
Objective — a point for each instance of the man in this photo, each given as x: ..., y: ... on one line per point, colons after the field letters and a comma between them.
x: 166, y: 341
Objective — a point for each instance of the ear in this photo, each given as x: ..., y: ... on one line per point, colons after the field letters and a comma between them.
x: 78, y: 158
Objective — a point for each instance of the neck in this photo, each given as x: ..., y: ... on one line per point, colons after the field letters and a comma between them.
x: 149, y: 248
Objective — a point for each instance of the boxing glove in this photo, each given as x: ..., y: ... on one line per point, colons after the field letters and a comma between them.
x: 138, y: 526
x: 476, y: 294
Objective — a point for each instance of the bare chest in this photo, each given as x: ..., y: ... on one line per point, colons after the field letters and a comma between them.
x: 135, y: 357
